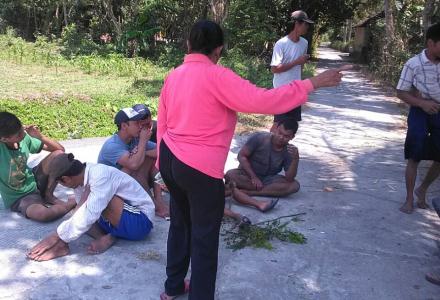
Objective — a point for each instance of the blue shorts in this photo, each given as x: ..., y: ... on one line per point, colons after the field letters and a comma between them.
x: 132, y: 226
x: 423, y: 136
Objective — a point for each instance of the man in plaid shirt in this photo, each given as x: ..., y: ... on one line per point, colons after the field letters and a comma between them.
x: 419, y: 86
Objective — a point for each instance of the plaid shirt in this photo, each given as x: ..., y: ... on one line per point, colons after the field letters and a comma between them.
x: 423, y: 75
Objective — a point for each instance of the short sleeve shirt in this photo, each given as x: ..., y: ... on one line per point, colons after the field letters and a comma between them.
x: 422, y: 74
x: 16, y: 178
x: 112, y: 150
x: 264, y: 160
x: 285, y: 51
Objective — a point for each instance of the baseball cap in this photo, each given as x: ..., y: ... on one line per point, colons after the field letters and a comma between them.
x: 143, y: 110
x: 299, y: 15
x: 127, y: 114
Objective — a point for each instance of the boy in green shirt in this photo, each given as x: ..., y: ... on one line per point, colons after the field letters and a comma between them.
x: 24, y: 190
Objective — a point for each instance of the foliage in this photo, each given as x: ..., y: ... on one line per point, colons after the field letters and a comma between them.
x: 261, y: 234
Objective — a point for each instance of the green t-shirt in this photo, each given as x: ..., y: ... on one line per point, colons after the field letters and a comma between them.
x: 16, y: 178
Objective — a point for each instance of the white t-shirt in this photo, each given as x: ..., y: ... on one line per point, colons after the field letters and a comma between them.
x: 285, y: 51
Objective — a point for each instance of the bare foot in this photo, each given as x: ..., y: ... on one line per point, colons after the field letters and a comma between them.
x: 59, y: 249
x: 163, y: 211
x: 407, y: 208
x: 101, y: 244
x: 421, y: 198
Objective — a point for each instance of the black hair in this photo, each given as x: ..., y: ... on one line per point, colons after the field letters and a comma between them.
x: 205, y: 36
x: 433, y: 33
x: 75, y: 169
x: 289, y: 124
x: 9, y: 124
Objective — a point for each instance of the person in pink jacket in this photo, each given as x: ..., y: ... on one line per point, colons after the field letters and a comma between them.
x: 196, y: 120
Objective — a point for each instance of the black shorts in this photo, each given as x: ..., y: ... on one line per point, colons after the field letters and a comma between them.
x: 423, y: 136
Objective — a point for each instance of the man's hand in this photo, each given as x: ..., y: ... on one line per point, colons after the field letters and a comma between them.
x: 144, y: 134
x: 430, y: 107
x: 293, y: 151
x: 302, y: 59
x: 33, y: 131
x: 257, y: 183
x: 49, y: 248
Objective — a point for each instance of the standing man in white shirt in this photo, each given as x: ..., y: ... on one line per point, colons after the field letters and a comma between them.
x: 289, y: 56
x: 111, y: 205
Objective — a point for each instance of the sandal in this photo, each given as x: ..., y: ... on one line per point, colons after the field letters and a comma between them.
x: 165, y: 296
x: 244, y: 222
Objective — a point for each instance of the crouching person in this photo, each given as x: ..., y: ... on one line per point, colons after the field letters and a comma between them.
x: 111, y: 205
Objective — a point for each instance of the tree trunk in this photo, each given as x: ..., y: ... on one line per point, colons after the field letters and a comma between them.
x: 65, y: 13
x: 108, y: 6
x: 219, y: 10
x: 427, y: 14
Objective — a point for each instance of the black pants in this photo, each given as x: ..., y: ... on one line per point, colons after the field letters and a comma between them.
x: 196, y: 210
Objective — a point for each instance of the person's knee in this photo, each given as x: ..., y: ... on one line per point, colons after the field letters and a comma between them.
x: 292, y: 187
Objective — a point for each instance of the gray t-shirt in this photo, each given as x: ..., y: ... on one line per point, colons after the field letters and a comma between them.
x: 264, y: 160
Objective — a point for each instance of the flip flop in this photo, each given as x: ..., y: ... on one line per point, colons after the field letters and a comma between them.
x: 165, y: 296
x: 433, y: 278
x: 244, y: 222
x: 271, y: 205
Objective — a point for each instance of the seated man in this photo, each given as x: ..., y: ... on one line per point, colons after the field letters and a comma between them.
x: 23, y: 190
x: 111, y: 204
x: 434, y: 277
x: 262, y: 158
x: 130, y: 151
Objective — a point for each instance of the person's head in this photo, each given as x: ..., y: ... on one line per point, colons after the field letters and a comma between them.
x: 433, y: 40
x: 284, y: 132
x: 206, y: 37
x: 127, y: 121
x: 300, y: 22
x: 145, y: 121
x: 11, y: 129
x: 66, y: 170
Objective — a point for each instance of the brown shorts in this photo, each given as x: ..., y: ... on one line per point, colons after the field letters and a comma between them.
x: 22, y: 204
x: 265, y: 180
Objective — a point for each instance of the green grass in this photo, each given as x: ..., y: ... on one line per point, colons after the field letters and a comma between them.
x: 78, y: 97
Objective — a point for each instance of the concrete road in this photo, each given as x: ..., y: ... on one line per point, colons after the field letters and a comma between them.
x: 352, y: 183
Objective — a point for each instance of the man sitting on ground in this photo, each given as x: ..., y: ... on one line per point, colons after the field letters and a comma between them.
x: 262, y: 158
x: 130, y: 151
x: 23, y: 190
x: 111, y: 204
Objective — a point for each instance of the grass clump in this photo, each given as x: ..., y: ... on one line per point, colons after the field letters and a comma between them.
x: 261, y: 234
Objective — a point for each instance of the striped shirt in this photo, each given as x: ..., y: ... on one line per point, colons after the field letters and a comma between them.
x: 423, y: 75
x: 105, y: 182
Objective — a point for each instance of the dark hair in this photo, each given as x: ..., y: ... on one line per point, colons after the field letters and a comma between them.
x: 9, y: 124
x: 205, y: 36
x: 289, y: 124
x: 75, y: 169
x: 433, y: 33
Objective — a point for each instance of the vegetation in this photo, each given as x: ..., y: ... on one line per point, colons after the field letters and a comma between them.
x: 77, y: 95
x: 261, y: 234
